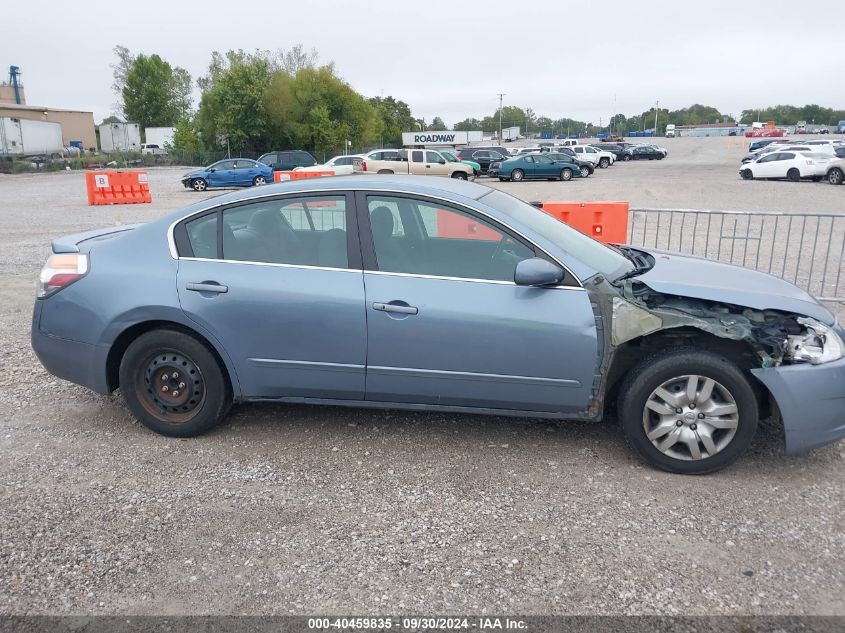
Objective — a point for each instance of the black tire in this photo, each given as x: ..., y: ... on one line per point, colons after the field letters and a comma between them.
x: 384, y: 171
x: 566, y: 174
x: 793, y: 175
x: 199, y: 184
x: 502, y: 179
x: 604, y: 163
x: 585, y: 172
x: 746, y: 174
x: 654, y: 372
x: 459, y: 175
x: 517, y: 175
x: 167, y: 357
x: 258, y: 181
x: 626, y: 157
x: 835, y: 176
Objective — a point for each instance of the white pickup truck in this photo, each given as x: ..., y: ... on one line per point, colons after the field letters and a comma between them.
x: 340, y: 165
x: 421, y: 162
x: 153, y: 149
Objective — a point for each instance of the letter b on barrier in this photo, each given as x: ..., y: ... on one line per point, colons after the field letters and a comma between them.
x: 117, y: 187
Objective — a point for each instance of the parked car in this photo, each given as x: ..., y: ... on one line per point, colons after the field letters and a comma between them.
x: 422, y: 162
x: 288, y: 160
x: 340, y: 165
x: 642, y: 152
x: 452, y: 157
x: 791, y: 165
x: 827, y: 148
x: 836, y: 171
x: 539, y: 166
x: 432, y: 294
x: 153, y: 149
x: 753, y: 146
x: 231, y: 172
x: 482, y: 156
x: 617, y: 150
x: 566, y: 154
x: 598, y: 157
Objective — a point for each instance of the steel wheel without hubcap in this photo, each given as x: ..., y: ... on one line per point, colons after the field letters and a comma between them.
x: 517, y: 175
x: 170, y: 386
x: 259, y: 180
x: 199, y: 184
x: 690, y: 417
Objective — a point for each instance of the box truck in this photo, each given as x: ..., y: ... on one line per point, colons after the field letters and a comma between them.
x: 510, y: 133
x: 159, y: 136
x: 120, y: 137
x: 25, y: 137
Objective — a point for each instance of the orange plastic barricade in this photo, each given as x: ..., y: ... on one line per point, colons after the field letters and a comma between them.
x: 604, y: 221
x: 284, y: 176
x: 117, y: 187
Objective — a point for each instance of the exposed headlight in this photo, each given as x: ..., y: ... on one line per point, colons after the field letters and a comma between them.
x: 819, y: 344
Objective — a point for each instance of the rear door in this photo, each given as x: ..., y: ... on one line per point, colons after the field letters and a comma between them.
x: 416, y: 162
x: 447, y: 325
x: 279, y: 283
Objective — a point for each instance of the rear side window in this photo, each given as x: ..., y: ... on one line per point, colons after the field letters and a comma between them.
x: 308, y: 231
x: 202, y: 235
x: 417, y: 156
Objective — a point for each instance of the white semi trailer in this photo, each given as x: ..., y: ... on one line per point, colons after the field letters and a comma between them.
x: 26, y: 137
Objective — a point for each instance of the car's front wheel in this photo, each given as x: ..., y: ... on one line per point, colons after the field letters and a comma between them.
x: 199, y: 184
x: 835, y: 176
x: 173, y: 383
x: 688, y: 411
x: 517, y: 175
x: 746, y: 174
x: 585, y: 171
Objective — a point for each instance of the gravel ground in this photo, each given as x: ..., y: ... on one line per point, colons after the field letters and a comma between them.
x: 291, y: 509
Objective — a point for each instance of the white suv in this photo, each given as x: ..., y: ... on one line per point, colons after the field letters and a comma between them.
x: 593, y: 155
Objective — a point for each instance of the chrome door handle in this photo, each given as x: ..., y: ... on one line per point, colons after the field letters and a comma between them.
x: 392, y: 307
x: 206, y: 287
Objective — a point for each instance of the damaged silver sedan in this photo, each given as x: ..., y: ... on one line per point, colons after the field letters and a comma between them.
x: 399, y: 292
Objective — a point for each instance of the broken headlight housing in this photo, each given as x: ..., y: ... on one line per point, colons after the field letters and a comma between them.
x: 816, y: 345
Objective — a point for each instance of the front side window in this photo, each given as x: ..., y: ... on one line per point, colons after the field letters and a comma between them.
x: 308, y: 231
x: 224, y: 164
x: 432, y: 157
x: 445, y: 242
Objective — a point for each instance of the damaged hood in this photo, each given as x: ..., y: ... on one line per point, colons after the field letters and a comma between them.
x: 695, y: 277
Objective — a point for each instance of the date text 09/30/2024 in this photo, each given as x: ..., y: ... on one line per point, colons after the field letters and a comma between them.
x: 416, y: 623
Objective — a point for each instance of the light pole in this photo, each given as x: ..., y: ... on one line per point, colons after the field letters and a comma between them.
x: 501, y: 96
x: 657, y: 107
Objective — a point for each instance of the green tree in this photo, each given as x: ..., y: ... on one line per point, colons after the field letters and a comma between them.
x: 154, y: 93
x: 186, y: 137
x: 233, y: 106
x: 437, y: 125
x: 468, y: 125
x: 395, y: 118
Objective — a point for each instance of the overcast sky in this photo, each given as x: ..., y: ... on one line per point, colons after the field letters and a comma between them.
x: 450, y: 58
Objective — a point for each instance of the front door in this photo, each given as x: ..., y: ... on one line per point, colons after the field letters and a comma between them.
x: 446, y: 325
x: 434, y: 167
x: 283, y: 292
x: 223, y: 174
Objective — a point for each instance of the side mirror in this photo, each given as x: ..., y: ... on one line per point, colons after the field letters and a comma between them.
x: 212, y: 169
x: 537, y: 272
x: 442, y: 161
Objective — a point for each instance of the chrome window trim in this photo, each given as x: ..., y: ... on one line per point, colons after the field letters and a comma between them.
x: 270, y: 264
x: 497, y: 282
x: 171, y: 240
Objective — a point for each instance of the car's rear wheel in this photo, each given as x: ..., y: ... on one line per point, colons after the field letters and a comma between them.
x: 173, y: 383
x: 688, y: 412
x: 566, y: 174
x: 793, y: 175
x: 626, y: 157
x: 746, y: 174
x: 517, y: 175
x: 585, y: 172
x: 459, y: 175
x: 258, y: 181
x: 604, y: 163
x: 199, y: 184
x: 384, y: 171
x: 835, y: 176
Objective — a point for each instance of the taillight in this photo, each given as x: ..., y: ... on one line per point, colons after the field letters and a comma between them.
x: 61, y: 270
x: 364, y: 165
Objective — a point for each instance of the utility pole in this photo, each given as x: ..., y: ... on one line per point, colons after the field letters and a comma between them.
x: 657, y: 107
x: 501, y: 96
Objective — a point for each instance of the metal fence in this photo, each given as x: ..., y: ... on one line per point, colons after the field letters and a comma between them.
x: 806, y: 249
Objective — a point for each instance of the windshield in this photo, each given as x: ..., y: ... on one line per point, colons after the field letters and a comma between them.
x: 600, y: 257
x: 450, y: 157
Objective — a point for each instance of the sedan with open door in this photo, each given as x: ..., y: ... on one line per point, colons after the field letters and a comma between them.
x: 428, y: 294
x: 231, y: 172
